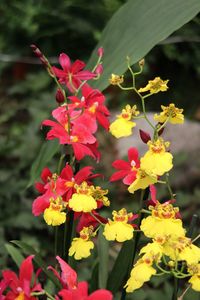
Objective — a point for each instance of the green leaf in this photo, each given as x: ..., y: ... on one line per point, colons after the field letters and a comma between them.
x: 121, y: 266
x: 15, y: 254
x: 47, y: 151
x: 136, y: 28
x: 103, y: 254
x: 28, y: 250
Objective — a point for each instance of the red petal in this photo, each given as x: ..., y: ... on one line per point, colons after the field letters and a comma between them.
x: 65, y: 62
x: 118, y: 175
x: 81, y: 151
x: 68, y: 275
x: 133, y: 155
x: 26, y: 270
x: 77, y: 66
x: 39, y: 205
x: 67, y: 172
x: 58, y: 72
x: 46, y: 173
x: 153, y: 193
x: 101, y: 294
x: 40, y: 187
x: 120, y: 164
x: 103, y: 120
x: 130, y: 178
x: 83, y: 174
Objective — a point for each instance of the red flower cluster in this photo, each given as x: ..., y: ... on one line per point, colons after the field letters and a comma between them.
x: 76, y: 120
x: 54, y: 186
x: 22, y: 287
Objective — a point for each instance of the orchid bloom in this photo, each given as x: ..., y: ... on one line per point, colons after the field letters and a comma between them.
x: 94, y: 109
x: 19, y: 288
x: 126, y: 170
x: 71, y: 74
x: 74, y: 290
x: 72, y: 133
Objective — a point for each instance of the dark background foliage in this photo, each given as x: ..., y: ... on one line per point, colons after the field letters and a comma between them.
x: 27, y: 97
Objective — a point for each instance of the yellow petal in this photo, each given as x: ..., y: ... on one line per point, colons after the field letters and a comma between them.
x: 155, y: 227
x: 118, y: 231
x: 82, y: 203
x: 121, y: 128
x: 80, y: 248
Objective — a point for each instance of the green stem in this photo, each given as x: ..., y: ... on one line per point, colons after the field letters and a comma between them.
x: 96, y: 219
x: 144, y: 109
x: 60, y: 163
x: 184, y: 292
x: 42, y: 294
x: 169, y: 187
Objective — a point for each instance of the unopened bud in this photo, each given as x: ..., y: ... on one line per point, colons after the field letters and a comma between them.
x: 60, y: 98
x: 99, y: 69
x: 100, y: 51
x: 171, y: 263
x: 36, y: 50
x: 141, y: 63
x: 145, y: 136
x: 40, y: 55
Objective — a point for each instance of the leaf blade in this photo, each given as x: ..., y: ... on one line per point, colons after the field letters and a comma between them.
x: 138, y: 26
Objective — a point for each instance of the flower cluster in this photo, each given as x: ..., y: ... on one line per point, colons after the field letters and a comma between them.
x: 13, y: 287
x: 70, y: 196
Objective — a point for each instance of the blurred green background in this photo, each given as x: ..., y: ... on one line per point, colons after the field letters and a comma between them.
x: 27, y: 97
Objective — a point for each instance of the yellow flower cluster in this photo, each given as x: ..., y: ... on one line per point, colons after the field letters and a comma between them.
x: 169, y: 245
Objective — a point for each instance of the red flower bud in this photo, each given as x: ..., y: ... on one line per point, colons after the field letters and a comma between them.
x: 60, y: 98
x: 99, y: 69
x: 145, y: 136
x: 100, y: 51
x: 36, y: 50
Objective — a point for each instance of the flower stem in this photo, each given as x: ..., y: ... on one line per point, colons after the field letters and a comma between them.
x: 169, y: 187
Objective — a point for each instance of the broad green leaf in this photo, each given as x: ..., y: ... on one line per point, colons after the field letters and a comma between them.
x: 103, y: 254
x: 136, y: 28
x: 28, y: 250
x: 15, y: 254
x: 47, y: 151
x: 121, y: 266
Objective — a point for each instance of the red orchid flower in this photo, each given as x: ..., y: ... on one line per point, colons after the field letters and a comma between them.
x: 52, y: 187
x: 69, y: 179
x: 94, y: 108
x: 71, y: 74
x: 20, y: 287
x: 127, y: 170
x: 78, y: 135
x: 73, y: 290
